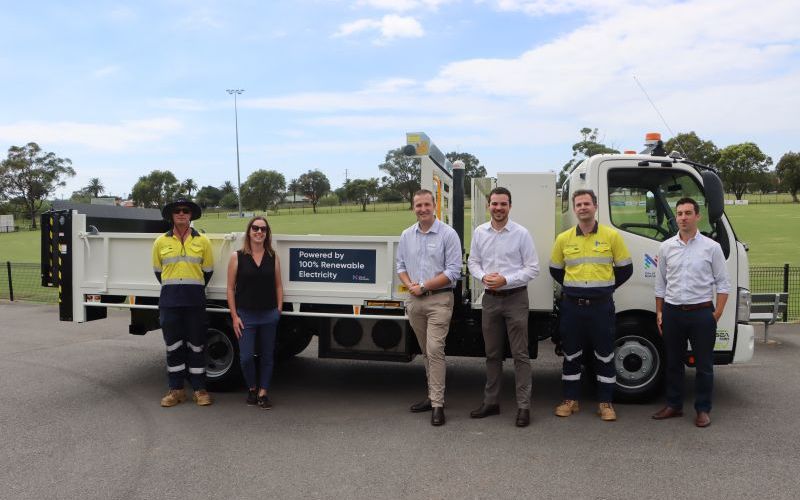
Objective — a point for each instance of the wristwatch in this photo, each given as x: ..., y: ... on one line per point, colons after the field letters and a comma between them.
x: 422, y: 288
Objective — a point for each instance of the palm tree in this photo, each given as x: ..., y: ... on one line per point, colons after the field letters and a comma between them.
x: 189, y: 186
x: 95, y: 187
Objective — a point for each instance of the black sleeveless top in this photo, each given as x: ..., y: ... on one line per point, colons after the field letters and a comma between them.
x: 255, y: 285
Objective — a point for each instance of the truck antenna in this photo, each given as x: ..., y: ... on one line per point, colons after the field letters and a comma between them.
x: 677, y: 141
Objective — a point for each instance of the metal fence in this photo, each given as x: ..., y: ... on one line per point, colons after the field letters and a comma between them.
x: 23, y: 282
x: 773, y: 279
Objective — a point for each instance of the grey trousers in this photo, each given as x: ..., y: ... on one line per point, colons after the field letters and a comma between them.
x: 501, y: 314
x: 430, y: 319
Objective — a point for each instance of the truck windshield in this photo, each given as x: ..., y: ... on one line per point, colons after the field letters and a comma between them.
x: 642, y: 201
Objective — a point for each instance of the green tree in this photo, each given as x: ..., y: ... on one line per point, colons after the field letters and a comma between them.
x: 788, y: 171
x: 263, y: 189
x: 189, y: 186
x: 95, y: 188
x: 314, y: 185
x: 362, y: 190
x: 229, y: 201
x: 768, y: 182
x: 694, y: 148
x: 208, y: 196
x: 30, y: 175
x: 155, y: 189
x: 472, y: 169
x: 227, y: 188
x: 586, y: 147
x: 403, y: 174
x: 741, y: 165
x: 294, y: 188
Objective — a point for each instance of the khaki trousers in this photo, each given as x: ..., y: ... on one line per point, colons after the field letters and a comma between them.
x: 430, y: 319
x: 501, y: 314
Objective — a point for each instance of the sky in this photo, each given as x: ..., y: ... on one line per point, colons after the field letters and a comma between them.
x: 124, y: 88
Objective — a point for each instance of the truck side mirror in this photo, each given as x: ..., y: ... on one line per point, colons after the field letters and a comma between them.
x: 715, y: 195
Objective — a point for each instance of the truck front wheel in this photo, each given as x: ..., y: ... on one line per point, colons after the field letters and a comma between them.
x: 223, y: 371
x: 638, y: 359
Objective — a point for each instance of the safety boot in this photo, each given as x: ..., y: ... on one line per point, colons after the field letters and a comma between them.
x: 202, y: 397
x: 606, y: 412
x: 567, y: 408
x: 173, y: 397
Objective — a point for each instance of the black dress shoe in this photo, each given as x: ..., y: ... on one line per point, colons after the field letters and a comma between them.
x: 437, y: 417
x: 485, y: 410
x: 421, y: 406
x: 523, y: 417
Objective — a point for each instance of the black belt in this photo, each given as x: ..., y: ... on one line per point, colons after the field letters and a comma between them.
x: 438, y: 290
x: 692, y: 307
x: 588, y: 301
x: 506, y: 292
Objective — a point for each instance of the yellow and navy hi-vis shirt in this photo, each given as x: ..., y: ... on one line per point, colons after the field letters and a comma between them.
x: 592, y: 264
x: 182, y: 268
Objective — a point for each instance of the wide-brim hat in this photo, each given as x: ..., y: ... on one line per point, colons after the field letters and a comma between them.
x: 166, y: 212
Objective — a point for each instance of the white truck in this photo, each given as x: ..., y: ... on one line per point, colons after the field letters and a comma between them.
x: 344, y: 289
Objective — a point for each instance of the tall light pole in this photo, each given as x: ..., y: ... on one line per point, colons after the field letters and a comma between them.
x: 236, y: 92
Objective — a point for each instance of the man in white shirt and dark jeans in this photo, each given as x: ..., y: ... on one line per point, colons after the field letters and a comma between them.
x: 503, y: 257
x: 691, y: 269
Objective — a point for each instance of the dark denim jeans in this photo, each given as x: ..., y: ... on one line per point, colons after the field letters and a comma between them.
x: 260, y: 327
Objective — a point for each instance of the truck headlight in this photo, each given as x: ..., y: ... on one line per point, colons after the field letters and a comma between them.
x: 743, y: 303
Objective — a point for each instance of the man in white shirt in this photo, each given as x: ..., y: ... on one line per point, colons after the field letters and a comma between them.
x: 503, y: 257
x: 691, y: 268
x: 429, y: 264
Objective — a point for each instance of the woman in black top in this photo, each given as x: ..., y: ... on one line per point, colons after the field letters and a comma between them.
x: 255, y: 298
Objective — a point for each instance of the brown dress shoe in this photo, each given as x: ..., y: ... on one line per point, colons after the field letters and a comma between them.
x: 437, y: 417
x: 667, y: 412
x: 523, y: 417
x: 702, y: 419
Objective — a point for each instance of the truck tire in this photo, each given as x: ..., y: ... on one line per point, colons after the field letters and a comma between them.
x: 294, y: 335
x: 638, y: 359
x: 223, y: 371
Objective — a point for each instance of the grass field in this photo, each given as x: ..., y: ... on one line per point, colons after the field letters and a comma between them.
x: 772, y: 231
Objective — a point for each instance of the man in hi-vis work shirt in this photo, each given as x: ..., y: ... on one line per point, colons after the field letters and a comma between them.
x: 183, y: 263
x: 590, y: 261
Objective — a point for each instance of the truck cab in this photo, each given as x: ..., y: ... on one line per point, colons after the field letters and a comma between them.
x: 636, y: 196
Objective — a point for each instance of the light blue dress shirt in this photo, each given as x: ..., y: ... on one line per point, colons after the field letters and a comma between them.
x: 688, y: 273
x: 425, y: 255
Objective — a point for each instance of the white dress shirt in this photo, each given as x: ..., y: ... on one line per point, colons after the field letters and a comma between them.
x: 689, y: 272
x: 423, y: 256
x: 509, y: 252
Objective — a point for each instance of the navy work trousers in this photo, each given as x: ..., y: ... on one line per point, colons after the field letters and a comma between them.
x: 699, y: 328
x: 185, y: 334
x: 588, y: 327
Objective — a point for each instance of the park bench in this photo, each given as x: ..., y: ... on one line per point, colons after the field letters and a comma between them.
x: 767, y: 308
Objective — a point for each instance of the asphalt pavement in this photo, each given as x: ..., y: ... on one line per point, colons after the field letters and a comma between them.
x: 80, y: 418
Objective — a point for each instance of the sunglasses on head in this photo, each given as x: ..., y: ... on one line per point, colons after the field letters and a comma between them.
x: 182, y: 210
x: 258, y: 229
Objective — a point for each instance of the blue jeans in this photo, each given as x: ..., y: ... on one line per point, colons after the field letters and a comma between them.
x: 260, y: 327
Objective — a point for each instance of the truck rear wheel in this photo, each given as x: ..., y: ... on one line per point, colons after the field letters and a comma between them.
x: 638, y: 359
x: 223, y: 371
x: 294, y: 335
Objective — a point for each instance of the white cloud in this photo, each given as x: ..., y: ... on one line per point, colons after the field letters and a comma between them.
x: 101, y: 137
x: 554, y: 7
x: 390, y: 26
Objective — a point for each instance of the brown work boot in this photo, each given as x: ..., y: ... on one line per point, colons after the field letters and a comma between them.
x: 606, y: 412
x: 202, y: 397
x: 567, y: 408
x: 173, y: 397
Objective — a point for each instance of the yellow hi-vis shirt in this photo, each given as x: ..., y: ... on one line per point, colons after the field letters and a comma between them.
x: 182, y: 266
x: 588, y: 260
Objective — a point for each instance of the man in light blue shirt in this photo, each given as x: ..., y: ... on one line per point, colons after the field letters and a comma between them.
x: 503, y: 258
x: 429, y: 264
x: 691, y: 269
